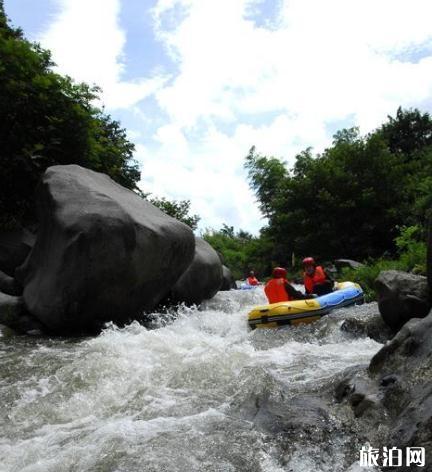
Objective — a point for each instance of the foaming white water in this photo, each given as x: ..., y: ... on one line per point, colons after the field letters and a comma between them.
x: 170, y: 398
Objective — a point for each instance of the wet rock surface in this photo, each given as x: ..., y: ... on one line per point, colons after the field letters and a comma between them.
x: 398, y: 384
x: 371, y: 325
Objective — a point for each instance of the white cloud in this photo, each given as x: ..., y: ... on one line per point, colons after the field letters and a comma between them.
x: 87, y: 44
x: 319, y: 63
x: 236, y: 84
x: 325, y: 59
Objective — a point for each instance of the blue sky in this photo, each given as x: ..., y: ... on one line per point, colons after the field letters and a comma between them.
x: 197, y: 82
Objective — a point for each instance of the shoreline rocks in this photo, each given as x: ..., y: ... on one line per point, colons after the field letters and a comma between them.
x: 396, y: 390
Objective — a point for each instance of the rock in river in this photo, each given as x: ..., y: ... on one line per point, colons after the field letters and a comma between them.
x: 202, y: 279
x: 102, y: 253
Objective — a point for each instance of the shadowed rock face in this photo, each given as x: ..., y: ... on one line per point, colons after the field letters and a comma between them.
x: 102, y: 253
x: 401, y: 296
x: 9, y: 285
x: 14, y: 315
x: 203, y: 278
x: 15, y: 246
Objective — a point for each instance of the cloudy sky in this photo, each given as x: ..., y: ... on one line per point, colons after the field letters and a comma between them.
x: 197, y: 82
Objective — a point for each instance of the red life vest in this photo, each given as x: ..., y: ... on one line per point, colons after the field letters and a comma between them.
x: 275, y: 291
x: 252, y: 281
x: 318, y: 277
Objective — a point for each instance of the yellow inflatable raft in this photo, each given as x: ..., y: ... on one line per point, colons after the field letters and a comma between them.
x: 305, y: 311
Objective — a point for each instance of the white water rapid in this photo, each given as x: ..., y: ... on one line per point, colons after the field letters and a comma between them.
x: 181, y: 395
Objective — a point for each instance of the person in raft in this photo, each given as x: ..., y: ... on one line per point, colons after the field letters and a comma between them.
x: 278, y: 289
x: 252, y: 280
x: 316, y: 280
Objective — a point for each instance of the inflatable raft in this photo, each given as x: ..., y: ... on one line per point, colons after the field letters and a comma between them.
x: 246, y: 286
x: 305, y: 311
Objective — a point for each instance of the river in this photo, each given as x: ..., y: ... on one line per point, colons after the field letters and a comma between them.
x: 180, y: 395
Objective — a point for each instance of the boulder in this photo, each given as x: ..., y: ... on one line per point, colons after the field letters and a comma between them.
x: 202, y: 279
x: 228, y: 281
x: 401, y: 296
x: 341, y: 263
x: 102, y: 253
x: 15, y: 246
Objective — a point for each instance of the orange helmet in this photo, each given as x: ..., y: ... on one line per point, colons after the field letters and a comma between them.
x: 309, y: 261
x: 279, y: 272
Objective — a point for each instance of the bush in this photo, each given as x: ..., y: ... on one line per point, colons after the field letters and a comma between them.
x: 412, y: 249
x: 412, y: 258
x: 365, y: 276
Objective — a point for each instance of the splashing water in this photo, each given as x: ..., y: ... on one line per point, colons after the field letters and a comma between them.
x: 190, y: 394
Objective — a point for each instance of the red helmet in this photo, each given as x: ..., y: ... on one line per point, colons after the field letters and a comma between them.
x: 309, y: 261
x: 279, y: 272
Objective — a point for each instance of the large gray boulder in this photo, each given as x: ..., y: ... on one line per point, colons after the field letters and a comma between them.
x: 203, y: 278
x: 228, y: 281
x: 102, y: 253
x: 401, y: 296
x: 15, y: 246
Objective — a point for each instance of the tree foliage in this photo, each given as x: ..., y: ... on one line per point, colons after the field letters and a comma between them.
x: 47, y: 119
x: 179, y: 209
x: 350, y: 200
x: 241, y: 251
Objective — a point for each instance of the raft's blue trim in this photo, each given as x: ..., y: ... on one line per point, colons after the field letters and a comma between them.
x: 339, y: 297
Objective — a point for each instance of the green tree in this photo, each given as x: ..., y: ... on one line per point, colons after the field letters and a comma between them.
x: 344, y: 202
x: 265, y: 177
x: 179, y: 209
x: 240, y: 250
x: 408, y: 132
x: 47, y: 119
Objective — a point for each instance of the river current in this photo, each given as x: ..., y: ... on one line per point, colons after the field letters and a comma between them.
x: 178, y: 395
